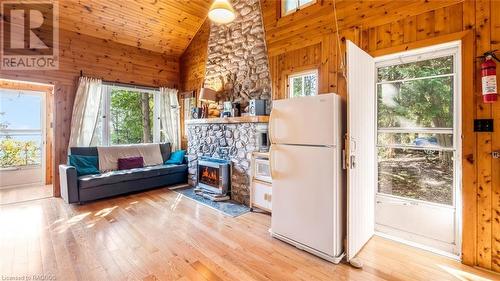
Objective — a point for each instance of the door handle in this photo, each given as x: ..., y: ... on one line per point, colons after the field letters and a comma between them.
x: 352, y: 162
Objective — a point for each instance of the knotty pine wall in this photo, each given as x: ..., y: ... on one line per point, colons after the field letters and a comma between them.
x: 307, y: 39
x: 192, y: 67
x: 99, y: 58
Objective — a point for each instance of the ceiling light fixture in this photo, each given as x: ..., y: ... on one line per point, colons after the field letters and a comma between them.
x: 221, y: 11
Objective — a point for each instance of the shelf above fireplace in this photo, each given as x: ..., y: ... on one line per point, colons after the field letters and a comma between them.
x: 229, y: 120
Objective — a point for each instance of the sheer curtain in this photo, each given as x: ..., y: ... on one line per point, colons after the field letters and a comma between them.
x: 169, y: 117
x: 85, y: 111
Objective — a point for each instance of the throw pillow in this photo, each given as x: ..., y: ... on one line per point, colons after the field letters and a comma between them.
x: 130, y: 163
x: 176, y: 158
x: 85, y: 165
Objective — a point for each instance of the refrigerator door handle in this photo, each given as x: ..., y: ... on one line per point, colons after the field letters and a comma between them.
x: 271, y: 161
x: 270, y: 128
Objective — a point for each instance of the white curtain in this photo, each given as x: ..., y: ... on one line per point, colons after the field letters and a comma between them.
x: 85, y: 111
x: 170, y: 117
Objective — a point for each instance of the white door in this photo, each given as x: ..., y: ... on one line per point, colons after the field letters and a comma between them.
x: 360, y: 144
x: 418, y: 147
x: 311, y: 120
x: 304, y: 184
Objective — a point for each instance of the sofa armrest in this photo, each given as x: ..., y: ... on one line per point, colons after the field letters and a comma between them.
x: 69, y: 183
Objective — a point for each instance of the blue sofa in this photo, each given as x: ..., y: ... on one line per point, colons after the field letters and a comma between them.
x: 76, y: 189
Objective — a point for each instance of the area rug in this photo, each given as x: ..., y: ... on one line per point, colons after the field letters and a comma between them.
x: 230, y: 208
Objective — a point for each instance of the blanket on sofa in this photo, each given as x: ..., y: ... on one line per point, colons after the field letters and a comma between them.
x: 108, y: 155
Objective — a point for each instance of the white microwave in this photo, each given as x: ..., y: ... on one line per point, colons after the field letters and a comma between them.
x: 262, y: 170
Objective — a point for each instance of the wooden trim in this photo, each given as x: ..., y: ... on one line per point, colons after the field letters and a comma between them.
x: 468, y: 177
x: 420, y: 44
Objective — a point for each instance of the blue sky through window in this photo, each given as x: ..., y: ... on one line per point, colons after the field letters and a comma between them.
x: 21, y: 109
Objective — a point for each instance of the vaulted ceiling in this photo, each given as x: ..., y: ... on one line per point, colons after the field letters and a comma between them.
x: 163, y: 26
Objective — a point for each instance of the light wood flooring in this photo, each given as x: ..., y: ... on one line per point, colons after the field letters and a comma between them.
x: 25, y: 193
x: 160, y: 235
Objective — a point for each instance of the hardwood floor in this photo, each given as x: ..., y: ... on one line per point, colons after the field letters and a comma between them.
x: 160, y: 235
x: 25, y: 193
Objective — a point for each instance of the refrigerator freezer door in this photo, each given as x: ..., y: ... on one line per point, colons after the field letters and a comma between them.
x: 305, y: 120
x: 304, y: 208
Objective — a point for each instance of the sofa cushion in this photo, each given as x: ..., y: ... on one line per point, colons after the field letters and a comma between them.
x: 130, y: 163
x: 176, y: 158
x: 112, y: 177
x: 165, y: 151
x: 85, y: 165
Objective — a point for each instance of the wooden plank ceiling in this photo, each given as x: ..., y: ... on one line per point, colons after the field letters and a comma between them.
x: 161, y: 26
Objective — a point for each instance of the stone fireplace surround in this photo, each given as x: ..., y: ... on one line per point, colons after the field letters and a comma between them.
x: 233, y: 139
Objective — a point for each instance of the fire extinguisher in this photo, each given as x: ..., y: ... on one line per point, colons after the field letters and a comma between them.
x: 489, y: 77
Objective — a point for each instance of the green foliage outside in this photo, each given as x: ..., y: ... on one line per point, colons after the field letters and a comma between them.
x: 15, y: 153
x: 18, y: 153
x: 131, y: 122
x: 310, y: 85
x: 424, y: 174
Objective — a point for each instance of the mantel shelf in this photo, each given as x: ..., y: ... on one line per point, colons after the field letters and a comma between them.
x: 229, y: 120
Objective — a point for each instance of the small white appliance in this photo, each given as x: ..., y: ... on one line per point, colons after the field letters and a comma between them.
x: 262, y: 170
x: 306, y: 170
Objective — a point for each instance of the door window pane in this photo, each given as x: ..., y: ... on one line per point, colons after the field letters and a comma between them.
x: 21, y: 136
x: 131, y: 117
x: 421, y: 140
x: 424, y: 103
x: 416, y: 174
x: 424, y: 68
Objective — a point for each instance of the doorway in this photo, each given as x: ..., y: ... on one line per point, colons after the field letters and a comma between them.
x: 25, y: 141
x: 417, y: 196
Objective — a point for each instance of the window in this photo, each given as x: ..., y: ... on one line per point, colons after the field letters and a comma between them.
x: 128, y: 115
x: 291, y: 6
x: 417, y: 131
x: 303, y: 84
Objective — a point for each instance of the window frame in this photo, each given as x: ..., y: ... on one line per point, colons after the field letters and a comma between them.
x: 436, y: 51
x: 106, y: 111
x: 298, y: 8
x: 302, y: 74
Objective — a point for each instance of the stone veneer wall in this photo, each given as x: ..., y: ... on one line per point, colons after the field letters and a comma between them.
x: 237, y: 62
x: 234, y: 142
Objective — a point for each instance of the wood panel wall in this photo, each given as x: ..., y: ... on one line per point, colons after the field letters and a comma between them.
x: 307, y: 39
x: 192, y: 68
x: 99, y: 58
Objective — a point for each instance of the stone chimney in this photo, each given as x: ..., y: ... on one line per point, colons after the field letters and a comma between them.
x: 237, y: 63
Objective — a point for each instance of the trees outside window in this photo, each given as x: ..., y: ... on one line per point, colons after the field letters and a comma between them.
x: 303, y: 84
x: 415, y: 108
x: 128, y: 116
x: 131, y: 117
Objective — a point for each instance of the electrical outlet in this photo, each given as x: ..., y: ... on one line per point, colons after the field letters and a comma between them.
x: 483, y: 125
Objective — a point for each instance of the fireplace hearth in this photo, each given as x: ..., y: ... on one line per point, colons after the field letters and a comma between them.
x: 214, y: 175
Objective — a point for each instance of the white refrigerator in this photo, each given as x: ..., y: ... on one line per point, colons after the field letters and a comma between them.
x: 306, y: 168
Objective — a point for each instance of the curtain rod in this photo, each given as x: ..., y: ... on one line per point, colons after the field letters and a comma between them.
x: 128, y: 85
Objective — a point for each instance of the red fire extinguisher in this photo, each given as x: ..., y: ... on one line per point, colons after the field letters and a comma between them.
x: 489, y: 78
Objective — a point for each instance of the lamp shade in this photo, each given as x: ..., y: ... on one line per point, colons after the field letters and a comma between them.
x: 221, y: 11
x: 207, y: 94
